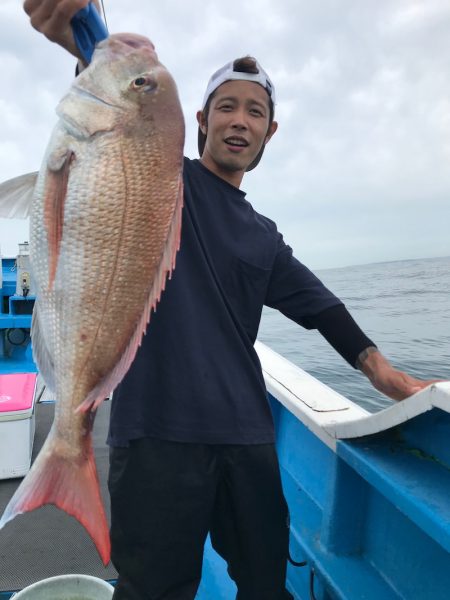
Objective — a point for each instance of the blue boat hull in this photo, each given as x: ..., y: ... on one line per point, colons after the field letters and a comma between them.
x: 372, y: 519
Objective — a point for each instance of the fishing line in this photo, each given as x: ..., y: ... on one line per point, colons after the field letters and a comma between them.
x: 104, y: 15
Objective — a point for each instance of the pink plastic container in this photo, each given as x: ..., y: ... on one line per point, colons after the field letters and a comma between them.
x: 17, y: 398
x: 17, y: 392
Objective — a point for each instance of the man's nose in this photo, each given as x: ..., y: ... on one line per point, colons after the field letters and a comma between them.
x: 239, y: 120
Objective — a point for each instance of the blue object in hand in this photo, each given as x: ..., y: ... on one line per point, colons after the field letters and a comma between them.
x: 88, y: 29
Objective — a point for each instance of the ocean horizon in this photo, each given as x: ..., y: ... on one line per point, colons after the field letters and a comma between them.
x: 402, y: 305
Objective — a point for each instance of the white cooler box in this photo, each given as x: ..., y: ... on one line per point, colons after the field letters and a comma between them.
x: 17, y: 398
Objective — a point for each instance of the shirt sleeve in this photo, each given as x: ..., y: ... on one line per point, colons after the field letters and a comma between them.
x: 294, y: 290
x: 341, y: 331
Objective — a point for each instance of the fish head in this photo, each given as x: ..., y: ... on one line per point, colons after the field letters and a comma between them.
x: 125, y: 87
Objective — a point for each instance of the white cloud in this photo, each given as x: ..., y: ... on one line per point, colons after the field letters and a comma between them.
x: 360, y: 161
x: 414, y: 15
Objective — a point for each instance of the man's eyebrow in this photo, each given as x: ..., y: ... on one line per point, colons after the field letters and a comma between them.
x: 259, y: 103
x: 234, y: 99
x: 226, y: 98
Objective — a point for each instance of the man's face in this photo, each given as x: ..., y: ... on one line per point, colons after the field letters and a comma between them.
x: 237, y: 127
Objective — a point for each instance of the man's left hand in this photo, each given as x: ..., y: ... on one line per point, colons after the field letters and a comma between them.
x: 388, y: 380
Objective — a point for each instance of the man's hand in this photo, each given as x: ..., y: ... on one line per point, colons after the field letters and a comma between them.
x: 382, y: 375
x: 52, y: 18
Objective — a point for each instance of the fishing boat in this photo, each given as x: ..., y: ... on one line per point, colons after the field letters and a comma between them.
x: 369, y: 494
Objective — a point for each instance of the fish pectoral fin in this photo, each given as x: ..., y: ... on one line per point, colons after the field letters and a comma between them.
x: 71, y: 486
x: 57, y: 180
x: 16, y: 196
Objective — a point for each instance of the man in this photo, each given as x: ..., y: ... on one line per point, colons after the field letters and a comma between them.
x: 191, y: 433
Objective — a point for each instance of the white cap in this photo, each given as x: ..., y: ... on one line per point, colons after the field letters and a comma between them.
x: 227, y: 73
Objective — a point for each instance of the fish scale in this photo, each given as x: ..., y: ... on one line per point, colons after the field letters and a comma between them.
x: 105, y: 228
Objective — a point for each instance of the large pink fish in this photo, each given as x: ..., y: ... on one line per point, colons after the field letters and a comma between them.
x: 105, y: 228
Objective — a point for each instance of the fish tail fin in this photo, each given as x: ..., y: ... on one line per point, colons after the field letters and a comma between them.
x: 71, y: 486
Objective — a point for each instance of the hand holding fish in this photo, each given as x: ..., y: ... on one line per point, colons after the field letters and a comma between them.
x: 53, y: 19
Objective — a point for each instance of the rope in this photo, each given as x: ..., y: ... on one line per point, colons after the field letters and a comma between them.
x: 311, y: 585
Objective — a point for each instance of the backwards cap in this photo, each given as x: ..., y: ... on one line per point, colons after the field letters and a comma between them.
x: 229, y: 73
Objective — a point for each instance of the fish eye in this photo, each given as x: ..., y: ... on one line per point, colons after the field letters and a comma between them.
x: 145, y: 83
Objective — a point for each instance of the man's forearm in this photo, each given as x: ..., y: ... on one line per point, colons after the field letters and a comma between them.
x: 342, y: 332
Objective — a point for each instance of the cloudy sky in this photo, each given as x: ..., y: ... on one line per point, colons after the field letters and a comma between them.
x: 358, y: 171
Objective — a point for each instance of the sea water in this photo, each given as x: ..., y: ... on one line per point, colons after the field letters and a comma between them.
x: 403, y: 306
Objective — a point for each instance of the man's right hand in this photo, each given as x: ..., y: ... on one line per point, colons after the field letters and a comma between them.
x: 52, y: 18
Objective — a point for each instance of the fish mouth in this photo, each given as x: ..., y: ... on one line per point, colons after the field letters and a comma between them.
x: 122, y: 45
x: 236, y: 140
x: 132, y: 40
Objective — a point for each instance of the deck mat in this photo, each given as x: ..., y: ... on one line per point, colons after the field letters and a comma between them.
x: 48, y: 542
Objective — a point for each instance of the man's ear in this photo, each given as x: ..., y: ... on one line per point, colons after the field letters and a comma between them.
x: 202, y: 121
x: 272, y: 128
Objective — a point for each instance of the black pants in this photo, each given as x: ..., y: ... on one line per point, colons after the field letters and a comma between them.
x: 166, y: 496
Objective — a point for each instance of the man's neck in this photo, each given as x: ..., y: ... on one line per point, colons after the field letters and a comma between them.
x: 234, y: 178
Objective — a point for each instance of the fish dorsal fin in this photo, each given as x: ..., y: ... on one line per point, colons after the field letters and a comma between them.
x: 16, y: 195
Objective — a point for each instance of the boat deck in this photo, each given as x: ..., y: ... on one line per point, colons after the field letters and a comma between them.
x: 48, y: 542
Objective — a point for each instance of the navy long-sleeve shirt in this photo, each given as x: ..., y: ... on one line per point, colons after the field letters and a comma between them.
x: 197, y: 377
